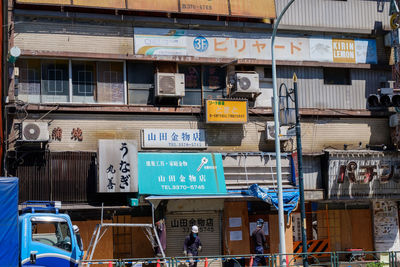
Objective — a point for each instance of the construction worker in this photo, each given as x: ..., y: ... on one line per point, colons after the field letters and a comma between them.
x: 258, y: 237
x: 192, y: 246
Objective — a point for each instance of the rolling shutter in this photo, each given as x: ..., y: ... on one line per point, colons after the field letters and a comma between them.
x: 179, y: 226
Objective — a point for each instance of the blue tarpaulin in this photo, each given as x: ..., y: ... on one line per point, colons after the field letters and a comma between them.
x: 290, y: 197
x: 9, y: 222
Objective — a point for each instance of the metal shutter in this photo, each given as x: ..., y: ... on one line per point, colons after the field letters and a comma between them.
x: 179, y: 226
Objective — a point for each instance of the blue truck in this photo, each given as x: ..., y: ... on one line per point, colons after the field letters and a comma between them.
x: 40, y: 236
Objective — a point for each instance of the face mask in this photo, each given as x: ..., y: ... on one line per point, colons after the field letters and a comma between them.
x: 194, y: 235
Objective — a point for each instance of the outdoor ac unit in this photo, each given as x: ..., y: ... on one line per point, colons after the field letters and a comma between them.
x: 285, y: 132
x: 34, y: 131
x: 169, y: 84
x: 246, y: 84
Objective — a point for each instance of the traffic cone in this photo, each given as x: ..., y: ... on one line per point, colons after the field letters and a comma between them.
x: 158, y: 263
x: 110, y: 264
x: 206, y: 262
x: 251, y: 261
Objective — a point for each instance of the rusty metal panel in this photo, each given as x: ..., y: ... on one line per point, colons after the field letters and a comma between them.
x: 322, y: 133
x: 373, y: 174
x: 312, y: 172
x: 100, y: 3
x: 64, y: 176
x: 156, y: 5
x: 352, y: 14
x: 213, y: 7
x: 243, y: 170
x: 52, y: 2
x: 59, y: 36
x: 253, y: 8
x: 313, y: 93
x: 249, y: 137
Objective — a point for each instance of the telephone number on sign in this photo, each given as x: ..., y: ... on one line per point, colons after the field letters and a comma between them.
x: 183, y: 187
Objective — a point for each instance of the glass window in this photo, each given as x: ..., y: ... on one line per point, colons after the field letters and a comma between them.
x: 29, y: 80
x: 338, y: 76
x: 52, y: 233
x: 83, y: 82
x: 214, y: 82
x: 110, y: 82
x: 55, y: 85
x: 140, y: 83
x: 192, y: 84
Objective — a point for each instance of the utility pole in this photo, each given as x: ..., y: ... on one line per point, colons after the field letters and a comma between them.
x: 281, y: 216
x: 300, y: 169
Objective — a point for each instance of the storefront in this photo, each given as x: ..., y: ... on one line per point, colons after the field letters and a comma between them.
x: 370, y: 180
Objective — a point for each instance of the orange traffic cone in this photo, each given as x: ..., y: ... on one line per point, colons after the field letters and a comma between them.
x: 251, y: 261
x: 206, y: 262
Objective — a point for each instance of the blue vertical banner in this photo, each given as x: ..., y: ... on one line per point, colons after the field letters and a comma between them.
x: 181, y: 174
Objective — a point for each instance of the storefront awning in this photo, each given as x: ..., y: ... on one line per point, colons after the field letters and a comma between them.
x: 182, y: 174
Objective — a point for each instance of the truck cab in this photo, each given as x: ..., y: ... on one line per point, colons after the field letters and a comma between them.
x: 48, y: 238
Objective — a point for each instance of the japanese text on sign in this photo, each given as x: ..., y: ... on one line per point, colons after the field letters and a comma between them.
x: 204, y: 224
x: 223, y: 111
x: 117, y: 159
x: 173, y: 138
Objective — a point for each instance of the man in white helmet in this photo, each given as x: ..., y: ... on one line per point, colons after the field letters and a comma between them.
x: 192, y: 246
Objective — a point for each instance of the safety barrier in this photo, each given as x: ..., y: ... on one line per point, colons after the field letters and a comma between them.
x: 350, y: 258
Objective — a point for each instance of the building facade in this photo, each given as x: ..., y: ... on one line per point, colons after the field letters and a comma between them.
x: 173, y: 79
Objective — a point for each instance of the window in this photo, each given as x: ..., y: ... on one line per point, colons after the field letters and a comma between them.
x: 51, y: 231
x: 192, y: 84
x: 209, y: 78
x: 47, y: 81
x: 29, y: 80
x: 55, y: 81
x: 337, y: 76
x: 140, y: 83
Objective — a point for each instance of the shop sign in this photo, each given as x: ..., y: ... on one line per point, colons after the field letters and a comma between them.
x: 117, y: 166
x: 181, y: 174
x: 386, y: 226
x: 226, y: 111
x: 214, y: 44
x: 173, y: 138
x: 205, y: 224
x: 364, y: 176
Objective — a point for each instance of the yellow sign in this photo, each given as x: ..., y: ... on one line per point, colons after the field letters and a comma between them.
x: 344, y: 51
x: 226, y: 111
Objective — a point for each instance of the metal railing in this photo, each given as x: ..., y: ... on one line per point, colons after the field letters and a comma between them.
x: 356, y: 258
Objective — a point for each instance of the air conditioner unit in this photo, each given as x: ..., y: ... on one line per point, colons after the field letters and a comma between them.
x: 285, y: 132
x: 246, y: 85
x: 169, y: 84
x: 34, y: 131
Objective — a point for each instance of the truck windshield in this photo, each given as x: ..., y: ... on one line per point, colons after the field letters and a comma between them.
x: 54, y: 233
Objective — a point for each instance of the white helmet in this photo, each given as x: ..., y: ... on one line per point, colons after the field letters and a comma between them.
x: 195, y: 229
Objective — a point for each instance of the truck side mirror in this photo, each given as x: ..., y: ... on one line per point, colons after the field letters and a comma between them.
x: 33, y: 257
x: 78, y: 237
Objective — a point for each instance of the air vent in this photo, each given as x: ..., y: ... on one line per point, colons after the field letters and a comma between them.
x: 170, y: 85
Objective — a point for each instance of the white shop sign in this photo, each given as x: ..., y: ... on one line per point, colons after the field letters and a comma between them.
x: 117, y: 166
x: 173, y: 138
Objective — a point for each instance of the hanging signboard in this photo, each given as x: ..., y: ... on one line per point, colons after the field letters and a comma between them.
x: 117, y: 166
x: 155, y: 5
x: 363, y: 175
x: 181, y: 174
x: 156, y: 42
x: 173, y: 138
x: 226, y: 111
